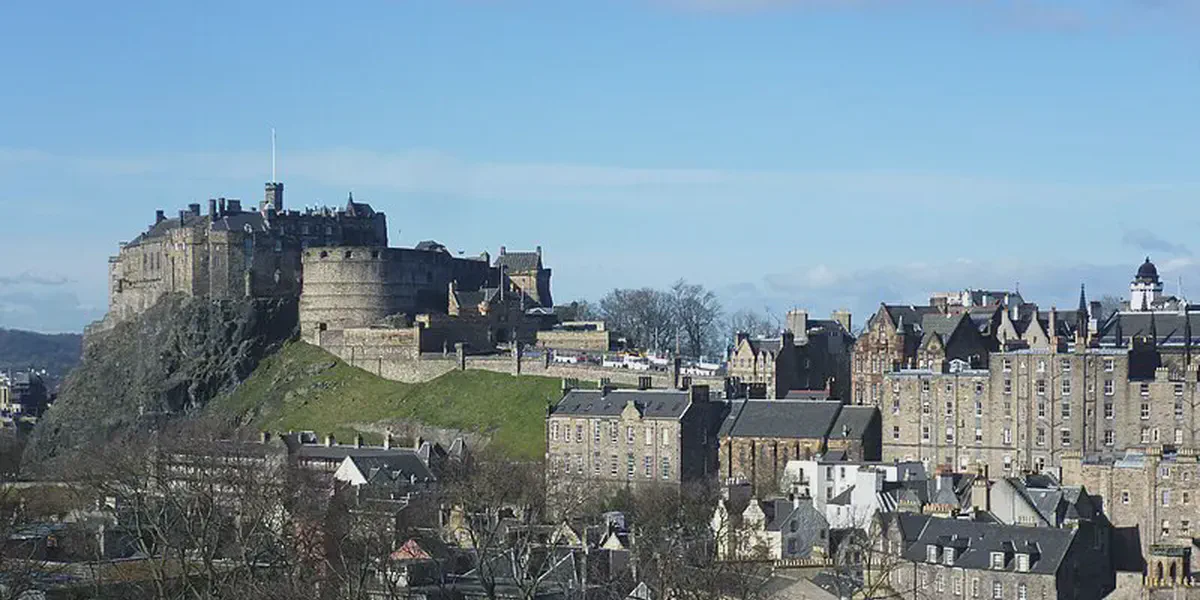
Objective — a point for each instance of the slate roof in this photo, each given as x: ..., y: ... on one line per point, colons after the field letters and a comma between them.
x: 1053, y: 502
x: 385, y: 469
x: 1170, y: 328
x: 814, y: 395
x: 799, y: 419
x: 430, y: 246
x: 852, y: 421
x: 942, y: 326
x: 976, y: 541
x: 519, y: 262
x: 908, y: 316
x: 654, y: 404
x: 760, y: 345
x: 341, y: 452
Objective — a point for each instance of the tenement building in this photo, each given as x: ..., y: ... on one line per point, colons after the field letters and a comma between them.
x: 810, y: 354
x: 1058, y: 383
x: 636, y: 438
x: 231, y: 252
x: 759, y: 437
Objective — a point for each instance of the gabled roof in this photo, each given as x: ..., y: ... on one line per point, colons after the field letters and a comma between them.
x: 976, y: 541
x: 1169, y: 328
x: 519, y: 262
x: 853, y: 421
x: 908, y: 316
x: 798, y: 419
x: 942, y: 326
x: 653, y: 404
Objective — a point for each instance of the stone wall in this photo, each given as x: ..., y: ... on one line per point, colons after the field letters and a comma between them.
x: 596, y: 341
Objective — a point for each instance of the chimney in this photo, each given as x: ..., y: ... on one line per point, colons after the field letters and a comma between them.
x: 183, y: 218
x: 606, y: 386
x: 159, y: 216
x: 195, y: 209
x: 221, y: 204
x: 699, y: 394
x: 212, y: 208
x: 329, y: 441
x: 739, y: 337
x: 797, y: 323
x: 645, y: 382
x: 358, y: 441
x: 387, y: 441
x: 569, y: 384
x: 501, y: 250
x: 265, y: 437
x: 235, y: 206
x: 844, y: 318
x: 539, y: 251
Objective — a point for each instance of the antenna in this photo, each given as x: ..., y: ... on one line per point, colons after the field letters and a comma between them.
x: 273, y: 179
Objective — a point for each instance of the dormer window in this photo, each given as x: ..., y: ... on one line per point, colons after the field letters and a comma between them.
x: 931, y: 553
x: 948, y: 557
x: 997, y: 561
x: 1023, y: 562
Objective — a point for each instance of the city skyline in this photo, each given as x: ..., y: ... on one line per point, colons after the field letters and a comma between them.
x: 909, y: 147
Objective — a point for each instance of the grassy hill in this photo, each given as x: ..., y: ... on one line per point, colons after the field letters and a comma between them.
x: 302, y: 387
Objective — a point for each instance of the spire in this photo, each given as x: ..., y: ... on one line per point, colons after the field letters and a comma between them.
x: 1082, y: 299
x: 1187, y: 334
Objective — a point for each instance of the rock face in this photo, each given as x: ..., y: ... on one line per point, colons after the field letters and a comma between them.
x: 169, y: 361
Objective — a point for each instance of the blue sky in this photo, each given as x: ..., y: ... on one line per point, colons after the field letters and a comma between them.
x: 819, y: 153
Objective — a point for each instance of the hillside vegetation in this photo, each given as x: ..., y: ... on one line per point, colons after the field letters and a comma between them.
x: 303, y: 387
x: 58, y: 353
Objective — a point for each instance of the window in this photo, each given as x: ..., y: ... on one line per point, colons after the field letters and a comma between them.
x: 579, y: 432
x: 896, y: 405
x: 1145, y: 410
x: 649, y: 435
x: 1007, y: 386
x: 1023, y: 562
x: 978, y: 388
x: 939, y: 582
x: 1022, y: 592
x: 1066, y: 387
x: 666, y: 467
x: 949, y: 409
x: 1064, y: 364
x: 925, y: 433
x: 948, y: 557
x: 978, y: 408
x: 595, y: 463
x: 925, y: 385
x: 629, y: 434
x: 1108, y: 387
x: 554, y: 432
x: 895, y: 432
x: 997, y: 590
x: 1144, y: 389
x: 1185, y: 527
x: 1178, y: 390
x: 612, y: 470
x: 949, y: 387
x: 1040, y: 438
x: 1145, y: 435
x: 1041, y: 366
x: 978, y: 435
x: 931, y: 553
x: 1187, y: 498
x: 1041, y: 387
x: 949, y: 435
x: 1041, y: 409
x: 997, y: 560
x: 1108, y: 365
x: 1166, y: 528
x: 1007, y: 436
x: 1065, y: 436
x: 648, y: 466
x: 579, y: 463
x: 1166, y: 497
x: 956, y: 583
x: 1007, y: 365
x: 925, y: 407
x: 1124, y: 496
x: 792, y: 546
x: 1008, y: 464
x: 1108, y: 410
x: 1108, y: 437
x: 1179, y: 410
x: 629, y: 463
x: 613, y: 427
x: 1164, y: 472
x: 596, y: 432
x: 1066, y: 410
x: 975, y: 587
x: 1178, y: 436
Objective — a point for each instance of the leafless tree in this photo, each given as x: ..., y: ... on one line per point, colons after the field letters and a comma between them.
x: 867, y: 560
x: 755, y: 323
x: 644, y: 315
x: 1108, y: 305
x: 696, y: 313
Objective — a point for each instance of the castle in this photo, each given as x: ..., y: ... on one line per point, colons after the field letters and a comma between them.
x: 337, y: 263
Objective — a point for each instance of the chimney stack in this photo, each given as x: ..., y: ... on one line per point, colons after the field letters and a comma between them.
x: 182, y: 218
x: 212, y: 208
x: 194, y: 208
x: 501, y: 250
x: 358, y: 440
x: 699, y: 394
x: 387, y: 441
x: 159, y: 216
x: 235, y: 206
x: 273, y: 197
x: 539, y: 251
x: 221, y: 206
x: 329, y: 441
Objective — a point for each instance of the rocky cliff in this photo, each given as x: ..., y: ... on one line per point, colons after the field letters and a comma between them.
x: 169, y: 361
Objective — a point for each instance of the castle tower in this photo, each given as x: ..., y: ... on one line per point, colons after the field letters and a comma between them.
x: 273, y: 197
x: 1145, y: 290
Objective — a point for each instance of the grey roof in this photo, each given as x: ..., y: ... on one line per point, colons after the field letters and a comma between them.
x: 654, y: 404
x: 519, y: 262
x: 781, y: 418
x: 1169, y: 328
x: 781, y: 510
x: 853, y: 421
x: 976, y: 541
x: 389, y: 468
x: 760, y: 345
x: 908, y: 316
x: 816, y: 395
x: 430, y: 246
x: 843, y: 498
x: 341, y: 452
x: 941, y: 325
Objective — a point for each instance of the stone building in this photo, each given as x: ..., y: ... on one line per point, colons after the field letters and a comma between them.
x: 592, y: 336
x: 810, y: 354
x: 527, y: 273
x: 1152, y: 498
x: 759, y: 437
x: 635, y: 438
x: 948, y: 558
x: 773, y: 529
x: 230, y: 252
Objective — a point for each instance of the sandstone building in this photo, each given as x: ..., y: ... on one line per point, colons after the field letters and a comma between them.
x: 759, y: 437
x: 810, y: 354
x: 635, y: 438
x: 230, y: 252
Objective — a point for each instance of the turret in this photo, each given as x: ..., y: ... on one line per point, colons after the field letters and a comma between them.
x: 273, y: 197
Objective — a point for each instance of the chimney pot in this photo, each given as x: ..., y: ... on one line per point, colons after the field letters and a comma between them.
x: 329, y: 441
x: 159, y: 216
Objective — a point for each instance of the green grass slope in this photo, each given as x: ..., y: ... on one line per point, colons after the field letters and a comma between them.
x: 302, y: 387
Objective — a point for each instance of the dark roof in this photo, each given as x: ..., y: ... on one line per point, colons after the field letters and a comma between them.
x: 976, y: 541
x: 853, y: 421
x: 387, y: 468
x: 760, y: 345
x: 1169, y: 328
x: 1147, y: 273
x: 908, y: 317
x: 943, y: 326
x: 519, y: 262
x: 654, y: 404
x: 430, y: 246
x: 814, y: 395
x: 799, y: 419
x: 341, y: 452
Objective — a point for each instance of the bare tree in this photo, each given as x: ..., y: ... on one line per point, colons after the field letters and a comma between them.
x: 696, y: 313
x: 1109, y: 304
x: 763, y: 324
x: 867, y: 560
x: 644, y: 315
